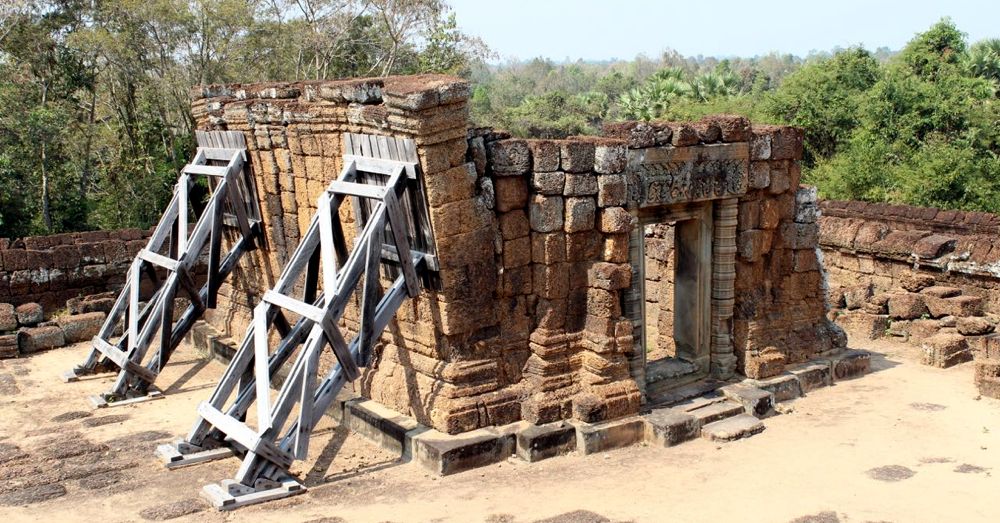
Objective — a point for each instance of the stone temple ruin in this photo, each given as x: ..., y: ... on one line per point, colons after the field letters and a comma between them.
x: 513, y: 296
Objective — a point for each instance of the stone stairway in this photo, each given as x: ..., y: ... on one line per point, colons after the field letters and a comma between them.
x: 729, y: 413
x: 736, y: 411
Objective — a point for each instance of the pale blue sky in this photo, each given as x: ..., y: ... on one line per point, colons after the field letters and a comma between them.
x: 604, y: 29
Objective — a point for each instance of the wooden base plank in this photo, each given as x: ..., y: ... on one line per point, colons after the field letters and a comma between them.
x: 70, y: 376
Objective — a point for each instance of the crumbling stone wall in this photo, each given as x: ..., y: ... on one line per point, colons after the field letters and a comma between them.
x: 780, y: 281
x: 53, y: 269
x: 526, y: 316
x: 885, y: 245
x: 918, y: 275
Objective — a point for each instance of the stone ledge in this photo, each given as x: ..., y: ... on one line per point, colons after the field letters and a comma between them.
x: 734, y: 428
x: 598, y: 437
x: 446, y: 454
x: 538, y: 442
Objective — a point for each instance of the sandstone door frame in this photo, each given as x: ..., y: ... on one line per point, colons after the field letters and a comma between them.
x: 667, y: 178
x: 692, y: 281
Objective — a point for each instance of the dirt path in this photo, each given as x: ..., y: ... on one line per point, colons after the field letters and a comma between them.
x: 906, y: 443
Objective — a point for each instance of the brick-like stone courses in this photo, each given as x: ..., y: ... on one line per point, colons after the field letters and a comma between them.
x: 659, y: 271
x: 780, y: 300
x: 441, y: 360
x: 926, y: 276
x: 53, y: 269
x: 563, y: 251
x: 883, y: 245
x: 532, y: 237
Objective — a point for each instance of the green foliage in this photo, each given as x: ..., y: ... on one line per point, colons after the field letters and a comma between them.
x: 671, y: 86
x: 556, y: 114
x: 925, y: 133
x: 940, y: 46
x: 95, y: 117
x: 823, y: 98
x: 983, y: 61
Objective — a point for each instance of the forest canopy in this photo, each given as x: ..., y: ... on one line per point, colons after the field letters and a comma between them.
x: 919, y: 126
x: 95, y: 121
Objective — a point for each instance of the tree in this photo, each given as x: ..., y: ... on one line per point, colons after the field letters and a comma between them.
x: 823, y: 97
x: 925, y: 132
x: 983, y: 60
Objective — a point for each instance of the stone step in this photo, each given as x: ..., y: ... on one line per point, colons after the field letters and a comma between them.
x: 734, y: 428
x: 717, y: 411
x: 669, y: 368
x: 698, y: 402
x: 674, y: 396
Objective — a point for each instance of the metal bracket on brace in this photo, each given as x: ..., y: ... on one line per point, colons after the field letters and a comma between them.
x: 101, y: 402
x: 182, y: 454
x: 230, y: 494
x: 71, y: 376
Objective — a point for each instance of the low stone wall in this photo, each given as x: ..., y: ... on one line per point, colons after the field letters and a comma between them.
x: 925, y: 276
x: 885, y: 244
x: 24, y: 330
x: 53, y: 269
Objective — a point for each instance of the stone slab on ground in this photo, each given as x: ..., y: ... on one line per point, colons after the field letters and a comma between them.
x: 29, y: 314
x: 812, y: 376
x: 755, y: 401
x: 987, y: 377
x: 668, y: 427
x: 34, y: 339
x: 734, y: 428
x: 449, y: 454
x: 945, y: 349
x: 81, y: 327
x: 598, y: 437
x: 8, y: 318
x: 383, y: 426
x: 850, y: 364
x: 538, y: 442
x: 8, y: 346
x: 717, y: 411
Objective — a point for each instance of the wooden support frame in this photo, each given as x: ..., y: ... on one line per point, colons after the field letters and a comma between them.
x: 177, y: 250
x: 283, y: 424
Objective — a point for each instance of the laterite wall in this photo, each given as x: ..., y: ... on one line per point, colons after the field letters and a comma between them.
x: 532, y: 238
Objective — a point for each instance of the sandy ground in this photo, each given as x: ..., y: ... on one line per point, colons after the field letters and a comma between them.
x: 905, y: 443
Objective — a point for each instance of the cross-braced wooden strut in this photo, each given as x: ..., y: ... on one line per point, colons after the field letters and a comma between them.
x: 284, y: 424
x: 176, y: 250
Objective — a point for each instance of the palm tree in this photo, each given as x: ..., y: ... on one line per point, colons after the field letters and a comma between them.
x: 983, y: 59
